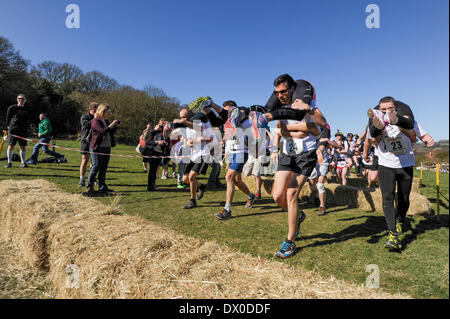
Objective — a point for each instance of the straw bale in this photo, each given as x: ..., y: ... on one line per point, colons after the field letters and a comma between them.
x: 122, y: 256
x: 355, y: 194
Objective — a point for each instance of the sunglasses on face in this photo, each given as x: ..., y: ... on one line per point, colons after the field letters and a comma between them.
x: 21, y: 99
x: 282, y: 92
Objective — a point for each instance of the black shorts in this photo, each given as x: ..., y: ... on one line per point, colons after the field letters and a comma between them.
x: 165, y: 161
x: 13, y: 140
x: 302, y: 164
x: 84, y: 148
x: 195, y: 167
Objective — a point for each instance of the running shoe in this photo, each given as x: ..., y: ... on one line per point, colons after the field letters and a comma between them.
x: 105, y: 190
x: 392, y: 242
x: 31, y: 162
x: 174, y: 175
x: 89, y: 191
x: 195, y: 105
x: 399, y: 228
x: 164, y: 176
x: 207, y: 102
x: 62, y: 160
x: 201, y: 191
x: 190, y: 204
x: 81, y: 183
x: 9, y: 165
x: 152, y: 188
x: 181, y: 186
x: 377, y: 118
x: 321, y: 211
x: 301, y: 218
x: 223, y: 214
x: 258, y: 195
x: 287, y: 249
x: 23, y: 165
x: 250, y: 201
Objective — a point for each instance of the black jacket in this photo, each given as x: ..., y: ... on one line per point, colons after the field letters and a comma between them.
x: 17, y: 119
x: 85, y: 120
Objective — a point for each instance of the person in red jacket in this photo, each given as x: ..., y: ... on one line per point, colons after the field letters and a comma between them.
x: 100, y: 148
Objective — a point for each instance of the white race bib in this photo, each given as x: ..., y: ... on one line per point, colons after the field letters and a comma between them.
x: 293, y: 147
x: 395, y: 145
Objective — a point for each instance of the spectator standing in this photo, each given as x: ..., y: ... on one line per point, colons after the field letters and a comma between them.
x: 17, y: 122
x: 85, y: 139
x: 100, y: 147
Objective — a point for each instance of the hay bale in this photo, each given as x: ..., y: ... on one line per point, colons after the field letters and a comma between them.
x: 355, y: 194
x: 28, y: 209
x: 121, y: 256
x: 266, y: 188
x: 127, y: 257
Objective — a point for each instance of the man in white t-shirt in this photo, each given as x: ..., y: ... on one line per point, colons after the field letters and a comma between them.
x: 395, y: 170
x: 198, y: 136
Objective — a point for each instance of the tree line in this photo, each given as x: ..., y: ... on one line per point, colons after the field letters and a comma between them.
x: 64, y: 91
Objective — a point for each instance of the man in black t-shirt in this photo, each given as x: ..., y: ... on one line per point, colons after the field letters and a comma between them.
x: 17, y: 122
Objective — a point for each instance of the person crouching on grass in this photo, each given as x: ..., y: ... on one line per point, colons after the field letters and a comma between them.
x: 100, y: 148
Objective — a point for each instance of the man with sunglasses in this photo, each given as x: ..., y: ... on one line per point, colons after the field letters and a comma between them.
x: 298, y: 158
x: 17, y: 122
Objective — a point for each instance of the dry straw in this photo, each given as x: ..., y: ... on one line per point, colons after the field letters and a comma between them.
x: 121, y: 256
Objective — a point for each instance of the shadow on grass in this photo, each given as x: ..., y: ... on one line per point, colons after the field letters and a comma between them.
x: 44, y: 176
x: 423, y: 226
x: 441, y: 203
x: 276, y: 211
x: 56, y: 168
x: 150, y: 199
x: 373, y: 226
x: 144, y: 190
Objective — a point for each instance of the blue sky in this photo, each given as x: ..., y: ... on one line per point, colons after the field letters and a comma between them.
x: 234, y: 49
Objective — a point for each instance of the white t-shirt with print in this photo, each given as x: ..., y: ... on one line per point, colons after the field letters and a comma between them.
x: 395, y: 148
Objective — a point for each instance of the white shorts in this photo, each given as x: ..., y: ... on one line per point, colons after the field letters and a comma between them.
x: 253, y: 165
x: 320, y: 170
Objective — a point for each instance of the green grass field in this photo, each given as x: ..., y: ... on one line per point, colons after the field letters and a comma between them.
x: 341, y: 244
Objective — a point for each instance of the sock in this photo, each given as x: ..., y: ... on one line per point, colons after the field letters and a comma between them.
x: 22, y: 156
x: 9, y: 154
x: 227, y: 207
x: 82, y: 179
